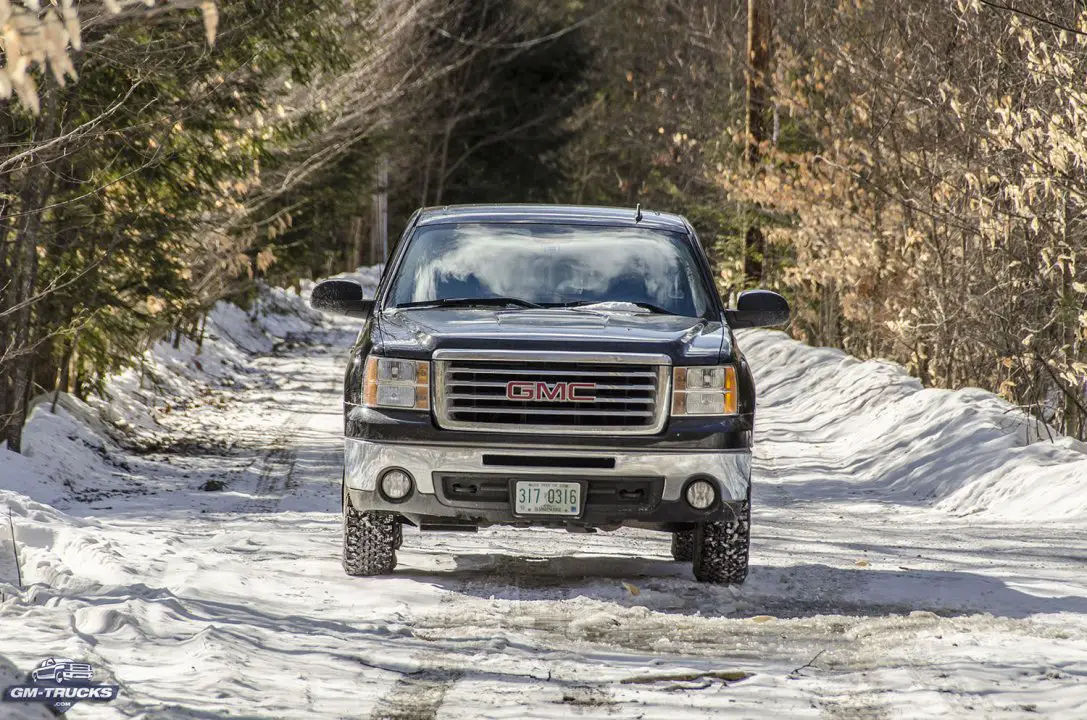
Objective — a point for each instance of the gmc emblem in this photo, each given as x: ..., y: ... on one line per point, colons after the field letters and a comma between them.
x: 553, y: 392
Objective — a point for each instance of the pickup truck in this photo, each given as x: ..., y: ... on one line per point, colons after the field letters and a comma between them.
x: 62, y: 670
x: 556, y: 366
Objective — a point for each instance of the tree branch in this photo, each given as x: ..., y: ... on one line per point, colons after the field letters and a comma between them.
x: 1032, y: 16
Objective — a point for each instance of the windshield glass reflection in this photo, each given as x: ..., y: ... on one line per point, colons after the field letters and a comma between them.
x: 551, y: 265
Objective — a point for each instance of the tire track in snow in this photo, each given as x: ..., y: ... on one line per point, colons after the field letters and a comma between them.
x: 276, y: 473
x: 275, y: 478
x: 416, y: 697
x: 581, y: 697
x: 855, y: 706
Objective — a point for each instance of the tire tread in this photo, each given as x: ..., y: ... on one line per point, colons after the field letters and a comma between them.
x: 370, y: 541
x: 721, y: 549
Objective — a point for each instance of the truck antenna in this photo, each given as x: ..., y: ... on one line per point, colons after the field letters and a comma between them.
x: 638, y: 213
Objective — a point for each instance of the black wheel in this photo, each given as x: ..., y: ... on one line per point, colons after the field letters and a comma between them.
x: 370, y: 540
x: 683, y: 545
x: 721, y: 548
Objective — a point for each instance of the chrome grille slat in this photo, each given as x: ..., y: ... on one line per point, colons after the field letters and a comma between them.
x: 469, y: 383
x: 556, y: 411
x: 632, y: 396
x: 605, y: 400
x: 530, y: 371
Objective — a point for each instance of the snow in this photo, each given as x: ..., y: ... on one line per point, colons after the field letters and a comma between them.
x: 916, y: 553
x: 880, y: 434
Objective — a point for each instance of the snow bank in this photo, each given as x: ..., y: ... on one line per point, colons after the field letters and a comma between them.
x: 880, y: 435
x: 368, y: 277
x: 74, y: 456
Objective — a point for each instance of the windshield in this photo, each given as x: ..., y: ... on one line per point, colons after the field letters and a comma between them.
x: 552, y: 265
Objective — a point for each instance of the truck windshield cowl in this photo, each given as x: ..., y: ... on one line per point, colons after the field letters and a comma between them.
x: 550, y: 265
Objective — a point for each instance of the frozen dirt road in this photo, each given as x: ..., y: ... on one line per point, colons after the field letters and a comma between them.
x: 869, y: 597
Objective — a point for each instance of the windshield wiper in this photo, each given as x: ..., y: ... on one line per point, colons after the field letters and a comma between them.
x: 469, y: 302
x: 657, y: 309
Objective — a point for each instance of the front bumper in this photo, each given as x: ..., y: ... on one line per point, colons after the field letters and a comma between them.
x: 462, y: 485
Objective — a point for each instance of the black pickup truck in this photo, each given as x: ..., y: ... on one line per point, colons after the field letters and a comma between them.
x: 557, y: 366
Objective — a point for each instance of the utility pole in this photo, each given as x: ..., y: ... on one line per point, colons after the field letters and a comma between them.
x: 356, y: 256
x: 759, y: 29
x: 379, y: 229
x: 379, y: 208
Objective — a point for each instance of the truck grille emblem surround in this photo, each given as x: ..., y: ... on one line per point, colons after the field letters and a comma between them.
x: 539, y: 391
x: 551, y: 392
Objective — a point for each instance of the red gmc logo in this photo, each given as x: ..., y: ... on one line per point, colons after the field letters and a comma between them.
x: 554, y: 392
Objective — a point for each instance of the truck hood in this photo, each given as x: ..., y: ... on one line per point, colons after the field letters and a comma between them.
x: 418, y: 333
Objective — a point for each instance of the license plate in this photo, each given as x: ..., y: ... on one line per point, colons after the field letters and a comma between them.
x: 547, y: 498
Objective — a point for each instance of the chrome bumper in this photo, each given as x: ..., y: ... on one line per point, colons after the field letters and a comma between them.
x: 364, y: 462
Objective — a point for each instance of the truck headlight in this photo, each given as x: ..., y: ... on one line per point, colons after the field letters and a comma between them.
x: 389, y: 382
x: 709, y: 390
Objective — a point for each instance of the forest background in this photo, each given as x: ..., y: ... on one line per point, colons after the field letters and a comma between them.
x: 912, y: 174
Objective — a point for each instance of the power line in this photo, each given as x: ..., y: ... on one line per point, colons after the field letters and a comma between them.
x: 1032, y: 16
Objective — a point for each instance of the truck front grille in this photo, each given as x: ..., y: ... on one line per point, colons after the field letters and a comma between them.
x: 562, y: 393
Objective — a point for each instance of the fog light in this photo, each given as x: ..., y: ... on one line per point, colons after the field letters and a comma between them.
x: 396, y: 485
x: 701, y: 494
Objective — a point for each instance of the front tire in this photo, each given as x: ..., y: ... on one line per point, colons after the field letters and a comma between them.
x: 721, y: 548
x: 370, y: 540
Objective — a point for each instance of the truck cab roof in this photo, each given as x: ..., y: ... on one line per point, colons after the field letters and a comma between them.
x: 552, y: 214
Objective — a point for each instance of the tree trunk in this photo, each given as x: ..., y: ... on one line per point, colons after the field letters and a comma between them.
x: 356, y: 252
x: 757, y: 100
x: 37, y: 188
x: 759, y: 28
x: 754, y: 253
x: 444, y: 160
x: 64, y: 377
x: 7, y: 283
x: 1074, y: 395
x: 23, y: 358
x: 426, y: 171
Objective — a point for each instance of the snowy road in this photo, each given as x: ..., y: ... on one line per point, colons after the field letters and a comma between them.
x: 877, y: 589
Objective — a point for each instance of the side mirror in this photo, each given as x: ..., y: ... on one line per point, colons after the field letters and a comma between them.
x: 343, y: 297
x: 758, y: 308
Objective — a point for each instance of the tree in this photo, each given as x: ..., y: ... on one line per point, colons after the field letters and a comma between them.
x: 932, y: 172
x: 171, y: 176
x: 125, y: 207
x: 473, y: 109
x: 757, y: 101
x: 44, y: 37
x: 666, y: 108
